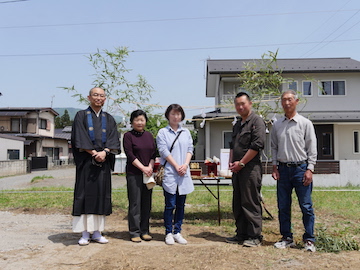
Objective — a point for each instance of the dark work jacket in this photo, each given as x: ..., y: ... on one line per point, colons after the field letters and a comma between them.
x: 250, y: 135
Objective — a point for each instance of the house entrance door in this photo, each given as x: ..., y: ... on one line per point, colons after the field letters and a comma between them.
x: 56, y: 153
x: 325, y: 141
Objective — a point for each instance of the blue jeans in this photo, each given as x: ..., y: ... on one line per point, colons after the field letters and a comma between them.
x: 292, y: 178
x: 174, y: 202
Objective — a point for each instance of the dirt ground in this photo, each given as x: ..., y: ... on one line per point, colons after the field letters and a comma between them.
x: 37, y: 240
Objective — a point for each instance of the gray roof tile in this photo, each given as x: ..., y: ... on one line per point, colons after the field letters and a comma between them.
x: 345, y: 64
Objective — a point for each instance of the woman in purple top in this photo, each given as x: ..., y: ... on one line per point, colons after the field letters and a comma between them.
x: 140, y: 150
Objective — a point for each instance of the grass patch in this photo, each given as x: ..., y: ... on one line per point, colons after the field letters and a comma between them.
x: 37, y: 179
x: 329, y: 243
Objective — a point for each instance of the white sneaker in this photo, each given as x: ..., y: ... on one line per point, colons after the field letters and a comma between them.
x: 179, y: 239
x: 169, y: 239
x: 285, y: 243
x: 309, y: 246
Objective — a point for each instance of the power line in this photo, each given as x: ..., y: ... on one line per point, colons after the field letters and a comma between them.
x: 331, y: 34
x: 327, y: 43
x: 7, y: 2
x: 182, y: 49
x: 174, y: 19
x: 337, y: 11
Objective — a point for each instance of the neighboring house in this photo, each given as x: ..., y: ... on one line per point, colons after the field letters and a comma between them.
x: 37, y: 126
x: 60, y: 135
x: 11, y: 155
x: 331, y: 87
x: 11, y: 147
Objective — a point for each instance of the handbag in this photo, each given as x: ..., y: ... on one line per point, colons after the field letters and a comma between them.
x: 159, y: 175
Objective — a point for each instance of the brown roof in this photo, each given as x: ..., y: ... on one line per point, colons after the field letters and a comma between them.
x: 23, y: 110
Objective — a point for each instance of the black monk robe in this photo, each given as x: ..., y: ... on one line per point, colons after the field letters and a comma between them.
x: 92, y: 194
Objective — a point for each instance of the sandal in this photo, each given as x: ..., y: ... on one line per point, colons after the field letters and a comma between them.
x: 84, y: 241
x: 101, y: 240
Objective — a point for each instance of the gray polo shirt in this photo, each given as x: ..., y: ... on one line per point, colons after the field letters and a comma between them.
x: 293, y: 140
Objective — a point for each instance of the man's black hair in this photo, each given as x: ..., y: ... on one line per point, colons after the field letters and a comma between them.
x: 240, y: 94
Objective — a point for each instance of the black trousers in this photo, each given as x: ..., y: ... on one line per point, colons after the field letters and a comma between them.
x: 247, y: 201
x: 139, y: 205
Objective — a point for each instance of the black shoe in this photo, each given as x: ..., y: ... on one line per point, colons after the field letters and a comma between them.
x: 234, y: 240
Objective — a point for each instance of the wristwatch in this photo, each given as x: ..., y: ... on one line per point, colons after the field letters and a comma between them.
x: 107, y: 152
x: 242, y: 165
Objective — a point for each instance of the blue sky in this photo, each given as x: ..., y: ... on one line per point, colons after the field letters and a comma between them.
x: 44, y: 43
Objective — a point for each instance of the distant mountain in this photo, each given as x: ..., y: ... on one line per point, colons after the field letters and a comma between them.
x: 72, y: 112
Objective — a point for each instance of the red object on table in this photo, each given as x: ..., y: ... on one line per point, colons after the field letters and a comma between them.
x: 196, y: 172
x: 156, y: 166
x: 211, y: 168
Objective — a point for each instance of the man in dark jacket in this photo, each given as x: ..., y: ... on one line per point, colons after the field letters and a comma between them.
x: 248, y: 140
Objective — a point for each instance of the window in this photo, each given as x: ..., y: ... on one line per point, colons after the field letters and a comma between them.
x: 307, y: 88
x: 49, y: 151
x: 227, y: 138
x: 229, y: 91
x: 293, y: 86
x: 43, y: 124
x: 15, y: 125
x: 332, y: 88
x: 13, y: 154
x: 326, y: 88
x: 339, y: 88
x: 356, y: 142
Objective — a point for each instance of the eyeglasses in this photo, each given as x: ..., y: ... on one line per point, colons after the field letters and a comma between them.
x: 97, y: 95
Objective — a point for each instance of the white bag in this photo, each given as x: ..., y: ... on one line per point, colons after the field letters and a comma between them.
x: 149, y: 181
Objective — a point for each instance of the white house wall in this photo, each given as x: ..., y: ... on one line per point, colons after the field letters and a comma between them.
x: 8, y: 144
x: 216, y: 136
x: 211, y: 85
x: 347, y: 102
x: 315, y: 102
x: 349, y: 175
x: 50, y: 118
x: 346, y: 141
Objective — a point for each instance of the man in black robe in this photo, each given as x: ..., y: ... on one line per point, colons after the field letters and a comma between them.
x: 95, y: 141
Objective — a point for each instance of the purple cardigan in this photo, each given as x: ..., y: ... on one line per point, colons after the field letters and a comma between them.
x: 139, y: 146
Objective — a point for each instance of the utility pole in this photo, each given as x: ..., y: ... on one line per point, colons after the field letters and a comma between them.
x: 52, y: 98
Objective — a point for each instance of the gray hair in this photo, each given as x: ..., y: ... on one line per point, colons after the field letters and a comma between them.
x: 90, y: 92
x: 292, y: 92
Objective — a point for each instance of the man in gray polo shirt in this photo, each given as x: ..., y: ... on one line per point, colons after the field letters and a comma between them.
x: 293, y: 145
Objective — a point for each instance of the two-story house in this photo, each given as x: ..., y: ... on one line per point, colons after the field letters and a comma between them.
x: 37, y: 126
x: 329, y: 86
